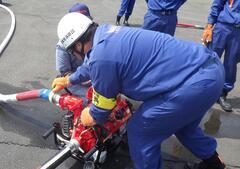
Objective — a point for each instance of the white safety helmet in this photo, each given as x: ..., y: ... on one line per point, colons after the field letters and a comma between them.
x: 71, y: 27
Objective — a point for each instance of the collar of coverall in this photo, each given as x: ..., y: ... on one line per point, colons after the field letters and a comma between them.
x: 101, y: 34
x: 95, y: 42
x: 97, y: 38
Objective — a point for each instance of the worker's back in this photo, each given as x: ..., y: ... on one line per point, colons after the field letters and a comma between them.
x: 146, y: 63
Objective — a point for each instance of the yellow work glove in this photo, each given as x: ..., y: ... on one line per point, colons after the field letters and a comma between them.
x: 60, y: 83
x: 207, y: 34
x: 86, y: 117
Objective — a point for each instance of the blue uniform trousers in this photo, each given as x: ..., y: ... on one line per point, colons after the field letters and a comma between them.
x: 126, y: 7
x: 162, y: 21
x: 178, y: 112
x: 226, y: 38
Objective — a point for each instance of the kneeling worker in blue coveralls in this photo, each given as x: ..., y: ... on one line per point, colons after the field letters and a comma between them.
x: 67, y: 63
x: 178, y: 81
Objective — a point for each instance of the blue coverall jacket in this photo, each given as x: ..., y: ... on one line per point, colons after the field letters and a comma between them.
x: 178, y: 81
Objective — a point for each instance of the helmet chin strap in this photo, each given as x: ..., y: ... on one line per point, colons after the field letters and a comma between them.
x: 79, y: 54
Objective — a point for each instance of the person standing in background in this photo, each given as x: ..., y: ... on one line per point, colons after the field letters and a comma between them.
x: 125, y: 9
x: 162, y: 15
x: 222, y: 35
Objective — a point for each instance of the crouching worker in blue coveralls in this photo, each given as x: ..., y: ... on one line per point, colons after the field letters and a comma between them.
x: 68, y: 62
x: 178, y: 82
x: 223, y: 35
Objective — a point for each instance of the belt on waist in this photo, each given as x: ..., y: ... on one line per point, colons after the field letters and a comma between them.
x: 237, y: 26
x: 163, y: 12
x: 231, y: 24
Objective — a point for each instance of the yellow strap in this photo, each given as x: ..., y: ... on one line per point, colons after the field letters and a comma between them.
x: 103, y: 102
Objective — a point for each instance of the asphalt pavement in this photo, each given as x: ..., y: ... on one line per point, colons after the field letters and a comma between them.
x: 28, y: 63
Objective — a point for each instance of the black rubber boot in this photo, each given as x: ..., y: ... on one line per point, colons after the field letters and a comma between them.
x: 125, y: 22
x: 213, y: 162
x: 118, y: 20
x: 226, y: 106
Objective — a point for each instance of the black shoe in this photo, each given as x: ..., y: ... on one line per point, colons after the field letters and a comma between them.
x: 200, y: 165
x: 203, y: 165
x: 226, y: 106
x: 213, y: 162
x: 118, y: 20
x: 125, y: 22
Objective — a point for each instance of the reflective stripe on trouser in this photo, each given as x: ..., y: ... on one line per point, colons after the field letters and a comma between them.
x: 126, y: 7
x: 226, y: 39
x: 178, y: 112
x: 161, y: 23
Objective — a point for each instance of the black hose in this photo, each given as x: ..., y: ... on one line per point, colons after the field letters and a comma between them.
x: 48, y: 133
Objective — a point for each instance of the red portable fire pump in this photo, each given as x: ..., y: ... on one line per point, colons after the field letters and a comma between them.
x: 91, y: 145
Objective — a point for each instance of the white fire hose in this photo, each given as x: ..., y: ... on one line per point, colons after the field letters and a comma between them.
x: 11, y: 30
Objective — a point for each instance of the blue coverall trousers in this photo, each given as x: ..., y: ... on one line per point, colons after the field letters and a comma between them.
x: 126, y: 7
x: 161, y: 21
x: 226, y: 38
x: 178, y: 112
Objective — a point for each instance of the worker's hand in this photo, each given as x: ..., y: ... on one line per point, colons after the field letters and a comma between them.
x: 60, y: 83
x: 230, y: 3
x: 207, y: 34
x: 86, y: 117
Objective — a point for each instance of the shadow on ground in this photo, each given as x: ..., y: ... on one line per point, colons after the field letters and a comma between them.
x: 6, y: 4
x: 136, y: 25
x: 221, y: 124
x: 235, y: 102
x: 28, y: 118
